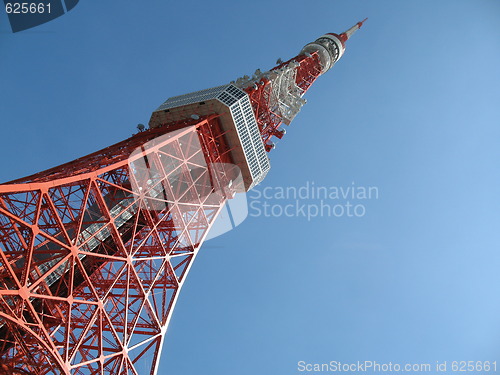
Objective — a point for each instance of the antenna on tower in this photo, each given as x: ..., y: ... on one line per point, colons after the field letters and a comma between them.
x: 347, y: 34
x: 141, y: 127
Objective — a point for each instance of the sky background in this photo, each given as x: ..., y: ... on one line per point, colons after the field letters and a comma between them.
x: 413, y: 108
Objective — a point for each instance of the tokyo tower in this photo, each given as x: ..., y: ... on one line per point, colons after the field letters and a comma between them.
x: 94, y: 252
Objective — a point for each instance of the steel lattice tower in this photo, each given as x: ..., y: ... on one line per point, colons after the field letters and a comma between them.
x: 94, y: 252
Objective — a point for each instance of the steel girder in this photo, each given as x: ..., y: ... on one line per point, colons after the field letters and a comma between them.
x: 94, y: 252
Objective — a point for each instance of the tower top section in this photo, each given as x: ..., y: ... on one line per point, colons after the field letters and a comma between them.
x: 347, y: 34
x: 330, y: 47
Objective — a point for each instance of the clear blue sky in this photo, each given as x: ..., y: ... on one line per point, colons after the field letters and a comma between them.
x: 412, y: 108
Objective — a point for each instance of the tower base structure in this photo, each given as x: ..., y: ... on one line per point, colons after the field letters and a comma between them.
x: 94, y: 253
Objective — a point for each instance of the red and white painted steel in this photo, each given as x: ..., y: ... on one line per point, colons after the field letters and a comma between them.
x: 93, y: 253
